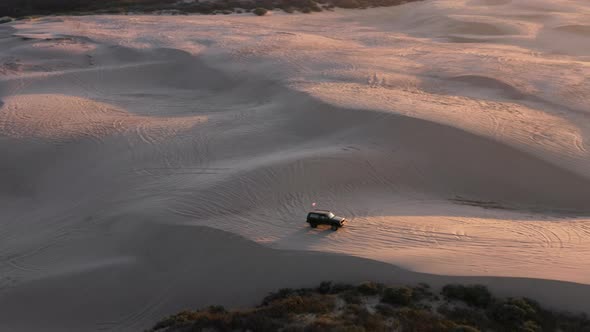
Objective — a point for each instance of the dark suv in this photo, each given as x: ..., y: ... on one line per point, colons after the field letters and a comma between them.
x: 324, y: 217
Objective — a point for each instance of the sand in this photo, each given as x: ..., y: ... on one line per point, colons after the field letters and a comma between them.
x: 165, y: 162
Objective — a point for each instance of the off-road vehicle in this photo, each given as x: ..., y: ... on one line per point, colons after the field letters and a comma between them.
x: 325, y: 217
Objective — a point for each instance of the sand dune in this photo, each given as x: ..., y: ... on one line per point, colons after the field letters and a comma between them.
x: 56, y: 117
x: 146, y: 271
x: 583, y: 30
x: 453, y: 135
x: 489, y: 84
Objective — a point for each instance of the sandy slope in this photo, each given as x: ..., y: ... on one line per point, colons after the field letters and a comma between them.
x: 124, y: 276
x: 453, y: 134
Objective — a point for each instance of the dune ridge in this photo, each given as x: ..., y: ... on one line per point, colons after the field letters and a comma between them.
x: 55, y: 117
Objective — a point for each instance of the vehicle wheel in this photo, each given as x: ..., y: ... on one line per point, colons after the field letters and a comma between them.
x: 335, y: 227
x: 313, y: 225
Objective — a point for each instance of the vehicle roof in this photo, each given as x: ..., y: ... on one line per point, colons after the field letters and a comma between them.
x: 321, y: 211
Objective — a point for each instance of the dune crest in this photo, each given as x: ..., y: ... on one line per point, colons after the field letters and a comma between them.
x: 58, y: 117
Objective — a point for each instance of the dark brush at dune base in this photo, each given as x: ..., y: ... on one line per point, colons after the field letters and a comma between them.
x: 377, y: 307
x: 19, y: 8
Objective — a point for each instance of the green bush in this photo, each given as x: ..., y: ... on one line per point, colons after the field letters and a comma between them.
x: 260, y: 11
x: 325, y: 287
x: 510, y: 314
x: 413, y: 320
x: 313, y: 6
x: 465, y: 316
x: 340, y: 287
x: 208, y: 318
x: 347, y: 3
x: 351, y: 297
x: 513, y: 311
x: 567, y: 322
x: 252, y: 321
x: 530, y: 326
x: 358, y: 316
x: 385, y: 310
x: 324, y: 324
x: 422, y: 292
x: 284, y: 293
x: 397, y: 296
x: 369, y: 288
x: 282, y: 310
x: 474, y: 295
x: 464, y: 328
x: 296, y: 304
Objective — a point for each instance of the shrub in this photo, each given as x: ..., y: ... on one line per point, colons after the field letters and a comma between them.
x: 321, y: 324
x: 325, y: 287
x: 422, y: 292
x: 513, y: 313
x: 566, y: 322
x: 358, y: 316
x: 340, y: 287
x: 260, y: 11
x: 324, y: 324
x: 280, y: 294
x: 212, y: 317
x: 253, y: 321
x: 465, y: 316
x: 351, y: 297
x: 475, y: 295
x: 296, y: 304
x: 464, y: 328
x: 347, y: 3
x: 509, y: 314
x: 284, y: 293
x: 217, y: 309
x: 179, y: 319
x: 526, y: 315
x: 369, y: 288
x: 282, y: 310
x: 385, y: 310
x: 22, y: 8
x: 530, y: 326
x: 397, y: 296
x: 413, y: 320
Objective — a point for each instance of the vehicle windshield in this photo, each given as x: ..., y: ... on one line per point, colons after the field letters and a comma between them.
x: 331, y: 215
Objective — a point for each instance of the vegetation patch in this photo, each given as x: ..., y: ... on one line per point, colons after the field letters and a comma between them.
x: 377, y: 307
x: 260, y: 11
x: 474, y: 295
x: 22, y: 9
x: 5, y: 20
